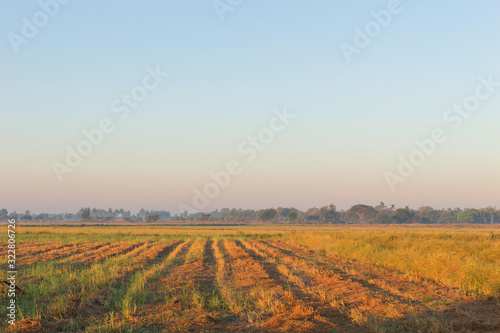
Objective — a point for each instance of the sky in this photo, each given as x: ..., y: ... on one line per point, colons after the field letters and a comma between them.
x: 359, y: 81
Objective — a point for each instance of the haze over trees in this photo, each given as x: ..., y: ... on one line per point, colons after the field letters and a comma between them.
x: 357, y: 214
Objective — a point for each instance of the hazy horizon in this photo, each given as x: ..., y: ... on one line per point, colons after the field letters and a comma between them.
x: 351, y: 117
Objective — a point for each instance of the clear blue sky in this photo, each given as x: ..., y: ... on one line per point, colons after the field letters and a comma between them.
x: 353, y: 119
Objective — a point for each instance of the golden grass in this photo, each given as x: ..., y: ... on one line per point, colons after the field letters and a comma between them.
x: 466, y: 259
x: 223, y: 279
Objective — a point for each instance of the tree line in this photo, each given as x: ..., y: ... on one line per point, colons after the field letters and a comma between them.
x: 357, y: 214
x: 89, y: 214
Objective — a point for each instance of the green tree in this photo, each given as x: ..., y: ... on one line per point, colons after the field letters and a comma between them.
x: 86, y: 214
x: 283, y: 213
x: 268, y: 214
x: 404, y: 215
x: 384, y: 217
x: 429, y: 215
x: 329, y: 213
x: 470, y: 216
x: 292, y: 215
x: 466, y: 217
x: 489, y: 214
x: 361, y: 213
x: 312, y: 214
x: 447, y: 217
x: 152, y: 217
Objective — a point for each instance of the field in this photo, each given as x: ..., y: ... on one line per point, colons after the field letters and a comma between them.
x: 256, y: 279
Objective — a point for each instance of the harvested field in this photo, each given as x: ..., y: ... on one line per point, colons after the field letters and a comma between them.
x: 225, y: 279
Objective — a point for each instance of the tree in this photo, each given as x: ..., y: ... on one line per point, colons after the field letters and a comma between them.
x: 312, y: 214
x: 283, y: 212
x: 384, y: 217
x: 424, y: 220
x: 404, y: 215
x: 4, y: 213
x: 361, y: 213
x: 426, y: 211
x: 85, y: 214
x: 204, y: 217
x: 292, y: 215
x: 466, y: 217
x: 447, y: 217
x: 489, y: 214
x: 41, y: 216
x: 268, y: 214
x: 470, y: 216
x: 152, y: 217
x: 329, y: 213
x: 27, y: 216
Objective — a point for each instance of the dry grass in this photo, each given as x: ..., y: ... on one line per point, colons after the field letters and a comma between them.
x: 466, y: 259
x: 255, y: 279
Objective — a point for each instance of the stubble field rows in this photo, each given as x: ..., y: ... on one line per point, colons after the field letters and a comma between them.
x: 222, y: 280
